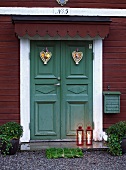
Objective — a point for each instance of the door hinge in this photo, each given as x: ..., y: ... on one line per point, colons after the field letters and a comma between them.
x: 90, y: 46
x: 29, y: 126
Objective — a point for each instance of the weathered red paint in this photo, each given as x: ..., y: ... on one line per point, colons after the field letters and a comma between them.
x: 63, y: 29
x: 114, y: 69
x: 9, y: 72
x: 114, y: 57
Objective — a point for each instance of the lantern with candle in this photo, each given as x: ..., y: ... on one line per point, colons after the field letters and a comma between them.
x: 80, y: 136
x: 89, y: 135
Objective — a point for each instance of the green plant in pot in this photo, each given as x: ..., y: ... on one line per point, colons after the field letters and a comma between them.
x: 116, y: 136
x: 10, y: 134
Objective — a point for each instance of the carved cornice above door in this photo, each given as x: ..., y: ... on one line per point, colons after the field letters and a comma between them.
x: 61, y: 26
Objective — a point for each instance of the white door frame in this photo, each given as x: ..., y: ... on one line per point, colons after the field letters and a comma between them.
x: 25, y: 88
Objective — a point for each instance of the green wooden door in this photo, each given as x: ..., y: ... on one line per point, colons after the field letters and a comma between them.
x: 61, y: 90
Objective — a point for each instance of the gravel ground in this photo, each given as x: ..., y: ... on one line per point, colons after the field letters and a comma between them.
x: 92, y: 160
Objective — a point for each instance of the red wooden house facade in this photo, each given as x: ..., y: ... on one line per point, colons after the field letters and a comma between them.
x: 24, y: 25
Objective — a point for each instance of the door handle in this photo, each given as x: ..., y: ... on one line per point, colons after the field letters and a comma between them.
x: 58, y: 84
x: 58, y: 78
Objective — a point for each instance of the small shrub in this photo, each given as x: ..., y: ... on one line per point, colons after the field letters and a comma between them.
x: 9, y: 131
x: 115, y: 134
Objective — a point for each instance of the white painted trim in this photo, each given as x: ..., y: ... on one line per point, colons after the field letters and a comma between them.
x: 25, y: 88
x: 97, y: 90
x: 72, y: 11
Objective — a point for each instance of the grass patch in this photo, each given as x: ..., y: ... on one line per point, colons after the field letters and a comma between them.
x: 63, y: 153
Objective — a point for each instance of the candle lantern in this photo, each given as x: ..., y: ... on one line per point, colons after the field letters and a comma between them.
x: 80, y: 136
x: 89, y: 135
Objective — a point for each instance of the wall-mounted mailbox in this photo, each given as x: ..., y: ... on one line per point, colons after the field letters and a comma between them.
x: 111, y: 101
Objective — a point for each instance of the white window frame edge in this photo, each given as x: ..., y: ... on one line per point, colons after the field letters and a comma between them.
x: 97, y: 89
x: 72, y: 11
x: 25, y: 89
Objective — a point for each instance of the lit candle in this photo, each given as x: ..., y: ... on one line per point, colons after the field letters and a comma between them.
x: 88, y: 138
x: 79, y: 138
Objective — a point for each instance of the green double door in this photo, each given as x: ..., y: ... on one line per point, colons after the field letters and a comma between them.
x: 61, y: 90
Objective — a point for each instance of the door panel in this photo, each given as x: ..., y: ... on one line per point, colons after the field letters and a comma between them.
x: 75, y: 71
x: 45, y: 103
x: 77, y: 88
x: 45, y: 124
x: 56, y: 111
x: 75, y: 115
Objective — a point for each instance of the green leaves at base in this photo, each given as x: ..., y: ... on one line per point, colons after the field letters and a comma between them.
x: 63, y: 153
x: 114, y: 145
x: 115, y: 133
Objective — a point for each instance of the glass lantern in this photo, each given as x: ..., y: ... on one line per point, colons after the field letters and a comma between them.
x: 89, y: 135
x: 80, y: 136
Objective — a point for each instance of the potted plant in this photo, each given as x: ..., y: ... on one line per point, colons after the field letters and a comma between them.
x: 10, y: 134
x: 116, y: 138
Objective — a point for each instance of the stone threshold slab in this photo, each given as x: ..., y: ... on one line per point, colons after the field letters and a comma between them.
x: 32, y: 146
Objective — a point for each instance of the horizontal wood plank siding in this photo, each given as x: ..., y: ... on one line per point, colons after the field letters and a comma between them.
x: 114, y: 67
x: 114, y: 61
x: 70, y: 3
x: 9, y: 72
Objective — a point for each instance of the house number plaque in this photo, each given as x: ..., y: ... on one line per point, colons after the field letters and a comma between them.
x: 61, y: 11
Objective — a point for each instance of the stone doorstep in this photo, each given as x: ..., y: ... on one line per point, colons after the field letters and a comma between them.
x: 33, y: 146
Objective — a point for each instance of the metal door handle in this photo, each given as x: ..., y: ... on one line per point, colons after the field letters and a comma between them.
x: 58, y: 78
x: 58, y: 84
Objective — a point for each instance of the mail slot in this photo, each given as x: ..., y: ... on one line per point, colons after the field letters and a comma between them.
x: 111, y: 101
